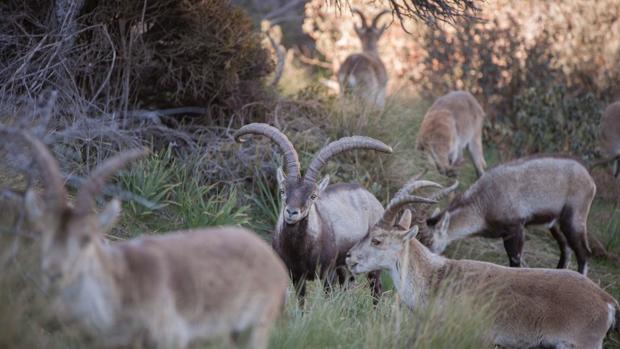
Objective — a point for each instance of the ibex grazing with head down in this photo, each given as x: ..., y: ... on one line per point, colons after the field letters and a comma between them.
x: 609, y: 141
x: 159, y: 291
x: 363, y: 73
x: 318, y: 223
x: 529, y: 191
x: 529, y: 308
x: 452, y: 123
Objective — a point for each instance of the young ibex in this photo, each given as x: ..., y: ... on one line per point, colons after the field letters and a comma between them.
x: 452, y: 123
x: 529, y: 191
x: 318, y: 223
x: 530, y: 308
x: 609, y: 142
x: 159, y: 291
x: 363, y: 73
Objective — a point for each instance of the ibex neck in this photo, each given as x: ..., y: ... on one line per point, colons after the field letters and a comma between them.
x: 370, y: 47
x: 91, y: 296
x: 413, y: 272
x: 465, y: 221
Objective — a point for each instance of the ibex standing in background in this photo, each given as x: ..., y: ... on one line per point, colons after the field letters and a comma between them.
x: 529, y: 308
x: 163, y: 291
x: 319, y: 223
x: 364, y: 73
x: 530, y: 191
x: 453, y: 123
x: 609, y: 141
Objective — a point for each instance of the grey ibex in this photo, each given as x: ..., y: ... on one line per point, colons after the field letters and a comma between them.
x: 163, y: 291
x: 453, y: 123
x: 318, y: 223
x: 530, y: 191
x: 609, y: 141
x: 364, y: 74
x: 529, y: 308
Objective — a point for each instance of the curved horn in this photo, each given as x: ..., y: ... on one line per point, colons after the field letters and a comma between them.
x: 376, y: 19
x: 416, y: 184
x: 362, y: 17
x: 339, y: 146
x: 85, y: 198
x: 290, y: 154
x: 389, y: 216
x: 55, y: 195
x: 444, y: 192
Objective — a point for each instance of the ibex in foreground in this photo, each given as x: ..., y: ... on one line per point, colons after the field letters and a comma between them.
x: 318, y: 223
x: 529, y: 191
x: 159, y: 291
x: 453, y: 123
x: 363, y: 73
x: 530, y: 308
x: 609, y: 141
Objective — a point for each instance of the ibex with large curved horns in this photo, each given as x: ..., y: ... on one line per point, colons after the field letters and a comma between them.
x: 364, y: 73
x: 319, y: 223
x: 609, y: 138
x: 164, y: 291
x: 529, y: 308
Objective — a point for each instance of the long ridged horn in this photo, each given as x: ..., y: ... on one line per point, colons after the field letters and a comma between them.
x: 85, y: 198
x: 415, y: 184
x: 55, y: 195
x: 396, y: 205
x: 362, y: 17
x: 339, y: 146
x: 376, y: 19
x: 290, y: 154
x: 444, y: 192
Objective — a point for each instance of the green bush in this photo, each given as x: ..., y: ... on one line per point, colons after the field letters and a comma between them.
x: 548, y: 120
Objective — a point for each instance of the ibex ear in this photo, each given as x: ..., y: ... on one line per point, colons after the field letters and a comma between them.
x: 109, y: 216
x: 445, y: 223
x: 323, y: 183
x: 412, y: 233
x: 281, y: 177
x: 34, y: 206
x: 405, y: 220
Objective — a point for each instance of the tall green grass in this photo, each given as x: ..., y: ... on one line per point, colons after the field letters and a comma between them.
x: 348, y: 319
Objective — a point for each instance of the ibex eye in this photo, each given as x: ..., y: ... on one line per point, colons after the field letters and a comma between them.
x: 375, y: 242
x: 313, y: 196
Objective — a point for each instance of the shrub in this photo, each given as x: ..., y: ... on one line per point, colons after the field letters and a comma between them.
x: 548, y: 120
x: 115, y: 56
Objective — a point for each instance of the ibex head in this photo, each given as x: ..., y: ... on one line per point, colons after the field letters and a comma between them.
x: 384, y: 243
x: 300, y: 193
x: 436, y: 236
x: 67, y: 231
x: 369, y: 34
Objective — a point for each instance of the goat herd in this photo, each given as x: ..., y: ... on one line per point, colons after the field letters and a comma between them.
x: 170, y: 290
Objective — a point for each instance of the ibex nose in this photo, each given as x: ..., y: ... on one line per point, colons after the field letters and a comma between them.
x: 291, y: 212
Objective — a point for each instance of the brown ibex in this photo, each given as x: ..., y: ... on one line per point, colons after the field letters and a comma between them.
x: 364, y: 73
x: 609, y: 141
x: 529, y: 308
x: 530, y: 191
x: 453, y: 123
x: 318, y: 223
x: 164, y: 291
